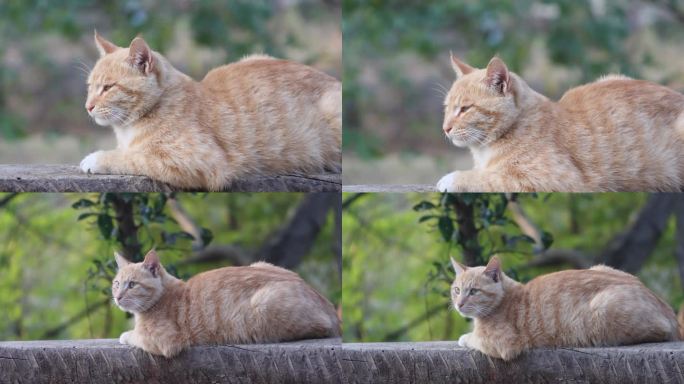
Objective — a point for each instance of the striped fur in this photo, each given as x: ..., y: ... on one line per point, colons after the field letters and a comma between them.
x: 260, y: 303
x: 616, y: 134
x: 258, y: 116
x: 600, y: 306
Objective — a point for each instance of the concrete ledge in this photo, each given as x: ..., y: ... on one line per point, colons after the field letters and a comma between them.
x: 107, y: 361
x: 69, y: 178
x: 446, y: 362
x: 390, y: 188
x: 328, y: 361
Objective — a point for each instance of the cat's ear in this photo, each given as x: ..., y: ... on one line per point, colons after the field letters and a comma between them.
x: 498, y: 77
x: 458, y: 268
x: 493, y: 269
x: 460, y: 67
x: 140, y: 56
x: 151, y: 263
x: 120, y: 260
x: 103, y: 45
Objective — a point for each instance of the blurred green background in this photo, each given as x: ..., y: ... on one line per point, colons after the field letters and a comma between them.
x: 56, y: 250
x: 396, y: 250
x: 47, y: 48
x: 397, y: 70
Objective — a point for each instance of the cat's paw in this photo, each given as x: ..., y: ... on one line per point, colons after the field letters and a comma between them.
x: 125, y: 338
x: 448, y: 182
x: 90, y: 163
x: 463, y: 340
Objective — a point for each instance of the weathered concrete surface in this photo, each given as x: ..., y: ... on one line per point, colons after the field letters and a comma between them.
x: 390, y: 188
x: 69, y: 178
x: 328, y: 361
x: 446, y: 362
x: 107, y: 361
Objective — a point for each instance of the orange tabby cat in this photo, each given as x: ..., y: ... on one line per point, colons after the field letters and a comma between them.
x: 260, y: 303
x: 259, y: 115
x: 600, y: 306
x: 616, y: 134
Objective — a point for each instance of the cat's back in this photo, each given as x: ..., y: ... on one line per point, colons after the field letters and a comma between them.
x: 242, y: 279
x: 621, y: 96
x: 266, y: 70
x: 580, y: 280
x: 594, y: 307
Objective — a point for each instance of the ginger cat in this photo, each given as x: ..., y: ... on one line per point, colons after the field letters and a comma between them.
x: 258, y: 116
x: 616, y: 134
x: 260, y: 303
x: 600, y: 306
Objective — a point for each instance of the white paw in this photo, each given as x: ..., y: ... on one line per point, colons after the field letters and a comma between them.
x: 447, y: 182
x: 89, y: 163
x: 125, y: 337
x: 463, y: 340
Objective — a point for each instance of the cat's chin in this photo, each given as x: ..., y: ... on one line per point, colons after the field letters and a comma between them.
x: 102, y: 122
x: 470, y: 316
x: 460, y: 143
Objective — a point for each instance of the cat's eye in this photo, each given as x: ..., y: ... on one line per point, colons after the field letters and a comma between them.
x: 131, y: 284
x: 464, y: 108
x: 107, y: 87
x: 457, y: 291
x: 473, y: 291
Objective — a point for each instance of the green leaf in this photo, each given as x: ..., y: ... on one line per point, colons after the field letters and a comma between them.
x: 423, y: 206
x: 426, y: 218
x: 206, y: 236
x: 106, y: 225
x: 85, y: 215
x: 446, y: 227
x: 547, y: 239
x: 82, y: 203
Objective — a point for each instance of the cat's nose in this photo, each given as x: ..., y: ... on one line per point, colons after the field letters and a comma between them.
x: 446, y: 128
x: 90, y: 107
x: 460, y: 304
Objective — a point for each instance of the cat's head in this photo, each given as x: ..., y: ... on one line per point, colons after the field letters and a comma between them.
x: 481, y: 104
x: 124, y: 83
x: 138, y: 286
x: 477, y: 291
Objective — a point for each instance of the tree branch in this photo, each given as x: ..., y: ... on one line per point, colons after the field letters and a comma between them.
x: 54, y: 332
x: 186, y: 223
x: 286, y: 246
x: 5, y: 200
x: 467, y: 233
x: 396, y: 334
x: 629, y: 250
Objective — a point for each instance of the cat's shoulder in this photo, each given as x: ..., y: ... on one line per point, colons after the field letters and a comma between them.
x: 612, y: 77
x: 256, y: 57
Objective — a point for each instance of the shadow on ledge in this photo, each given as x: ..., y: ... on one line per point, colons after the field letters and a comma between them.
x: 69, y: 178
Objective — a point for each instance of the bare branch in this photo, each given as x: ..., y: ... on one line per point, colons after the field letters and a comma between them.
x: 186, y: 223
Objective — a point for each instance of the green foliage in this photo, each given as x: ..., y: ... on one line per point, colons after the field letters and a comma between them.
x: 396, y: 253
x: 56, y: 252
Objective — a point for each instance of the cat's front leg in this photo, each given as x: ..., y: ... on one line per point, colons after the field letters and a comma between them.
x: 448, y: 184
x: 471, y: 341
x: 463, y: 181
x: 463, y: 340
x: 105, y: 162
x: 129, y: 338
x: 91, y: 163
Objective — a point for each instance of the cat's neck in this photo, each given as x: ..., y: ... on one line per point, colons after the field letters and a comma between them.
x: 512, y: 290
x: 530, y: 104
x: 172, y: 82
x: 173, y: 289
